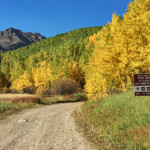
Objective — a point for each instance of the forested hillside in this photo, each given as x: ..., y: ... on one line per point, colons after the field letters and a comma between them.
x: 119, y: 50
x: 39, y: 64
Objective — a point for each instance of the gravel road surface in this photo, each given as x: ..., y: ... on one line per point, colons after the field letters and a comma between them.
x: 44, y: 128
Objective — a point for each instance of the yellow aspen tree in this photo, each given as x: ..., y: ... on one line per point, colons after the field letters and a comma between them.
x: 92, y: 38
x: 122, y: 48
x: 95, y: 71
x: 76, y: 74
x: 22, y: 82
x: 42, y: 76
x: 136, y: 36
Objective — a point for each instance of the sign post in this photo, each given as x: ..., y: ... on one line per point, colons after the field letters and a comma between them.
x: 142, y: 84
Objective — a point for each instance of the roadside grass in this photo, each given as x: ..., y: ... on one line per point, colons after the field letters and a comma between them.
x: 6, y: 106
x: 12, y: 103
x: 119, y: 122
x: 21, y: 99
x: 78, y: 97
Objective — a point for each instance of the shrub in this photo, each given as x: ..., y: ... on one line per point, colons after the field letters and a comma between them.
x: 13, y: 91
x: 44, y: 92
x: 29, y: 90
x: 9, y: 90
x: 80, y: 96
x: 5, y: 90
x: 65, y: 86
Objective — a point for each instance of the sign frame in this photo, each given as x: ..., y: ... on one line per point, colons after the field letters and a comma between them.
x: 142, y: 84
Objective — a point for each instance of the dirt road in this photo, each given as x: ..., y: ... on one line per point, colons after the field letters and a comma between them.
x: 44, y: 128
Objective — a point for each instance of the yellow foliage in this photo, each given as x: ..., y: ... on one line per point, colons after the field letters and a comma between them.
x: 42, y: 76
x: 22, y: 82
x: 121, y: 49
x: 75, y: 73
x: 92, y: 38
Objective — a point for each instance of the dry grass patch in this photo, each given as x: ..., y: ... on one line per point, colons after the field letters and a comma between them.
x: 20, y: 98
x: 12, y: 96
x: 11, y: 103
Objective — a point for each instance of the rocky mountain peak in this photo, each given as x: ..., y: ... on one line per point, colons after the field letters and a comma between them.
x: 13, y: 38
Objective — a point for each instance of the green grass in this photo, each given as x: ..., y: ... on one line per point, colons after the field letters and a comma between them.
x: 6, y: 106
x: 118, y: 122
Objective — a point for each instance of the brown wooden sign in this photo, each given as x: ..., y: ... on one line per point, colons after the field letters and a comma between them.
x: 142, y: 84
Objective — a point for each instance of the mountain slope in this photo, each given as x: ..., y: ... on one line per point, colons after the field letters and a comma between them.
x: 13, y: 38
x: 67, y: 54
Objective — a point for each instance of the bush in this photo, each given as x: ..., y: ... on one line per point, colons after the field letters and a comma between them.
x: 29, y: 90
x: 65, y: 86
x: 13, y: 91
x: 44, y: 92
x: 5, y: 90
x: 80, y: 96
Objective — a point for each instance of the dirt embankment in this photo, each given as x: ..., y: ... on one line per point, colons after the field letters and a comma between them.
x: 43, y: 128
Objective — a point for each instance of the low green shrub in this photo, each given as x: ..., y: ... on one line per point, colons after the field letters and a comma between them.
x: 80, y: 96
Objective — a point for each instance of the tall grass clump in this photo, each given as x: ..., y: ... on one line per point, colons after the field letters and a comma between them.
x: 10, y: 103
x: 118, y: 122
x: 6, y: 106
